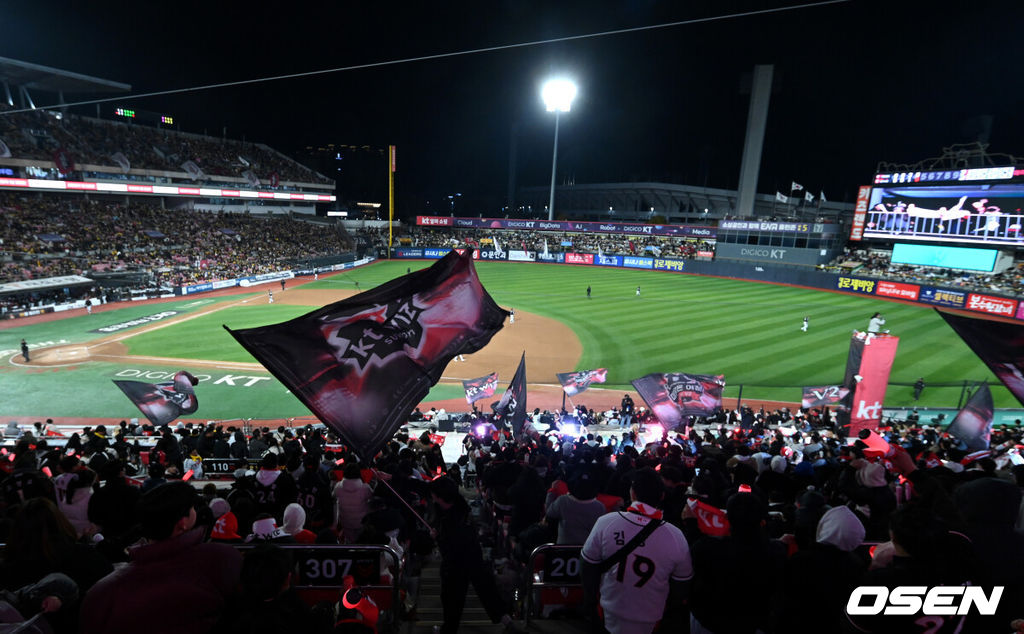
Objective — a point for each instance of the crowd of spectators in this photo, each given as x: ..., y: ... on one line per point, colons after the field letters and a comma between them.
x: 772, y: 507
x: 607, y: 244
x: 46, y: 236
x: 38, y: 135
x: 879, y: 265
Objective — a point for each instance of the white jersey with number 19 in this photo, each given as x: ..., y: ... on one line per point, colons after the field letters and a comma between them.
x: 637, y: 590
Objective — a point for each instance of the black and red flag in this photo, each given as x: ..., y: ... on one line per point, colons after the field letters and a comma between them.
x: 362, y: 364
x: 575, y: 382
x: 973, y: 424
x: 511, y: 409
x: 823, y: 396
x: 868, y: 365
x: 999, y: 344
x: 162, y: 403
x: 480, y: 387
x: 674, y: 395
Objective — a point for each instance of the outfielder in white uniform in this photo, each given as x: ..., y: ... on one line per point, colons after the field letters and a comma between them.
x: 634, y: 592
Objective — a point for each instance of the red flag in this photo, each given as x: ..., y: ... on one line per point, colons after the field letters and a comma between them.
x: 999, y: 344
x: 363, y: 363
x: 867, y: 375
x: 712, y: 521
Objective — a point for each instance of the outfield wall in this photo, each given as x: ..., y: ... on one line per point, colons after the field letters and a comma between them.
x: 942, y: 296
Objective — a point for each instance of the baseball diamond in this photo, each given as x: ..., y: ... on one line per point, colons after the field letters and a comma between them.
x: 689, y: 323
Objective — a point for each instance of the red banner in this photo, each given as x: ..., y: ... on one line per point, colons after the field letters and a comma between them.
x: 860, y: 212
x: 434, y: 221
x: 579, y: 258
x: 895, y: 289
x: 876, y: 357
x: 992, y: 305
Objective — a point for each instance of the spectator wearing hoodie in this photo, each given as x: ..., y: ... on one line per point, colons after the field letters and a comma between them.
x: 294, y: 524
x: 818, y: 580
x: 273, y: 489
x: 351, y: 503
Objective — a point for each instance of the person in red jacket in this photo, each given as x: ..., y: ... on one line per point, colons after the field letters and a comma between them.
x: 173, y: 561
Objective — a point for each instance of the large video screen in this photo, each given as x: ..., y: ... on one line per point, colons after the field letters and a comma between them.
x: 945, y: 257
x: 989, y: 214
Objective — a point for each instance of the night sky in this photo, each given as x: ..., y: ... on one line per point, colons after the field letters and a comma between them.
x: 855, y: 83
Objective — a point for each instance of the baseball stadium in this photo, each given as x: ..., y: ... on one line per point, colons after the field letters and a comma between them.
x: 296, y: 334
x: 749, y: 332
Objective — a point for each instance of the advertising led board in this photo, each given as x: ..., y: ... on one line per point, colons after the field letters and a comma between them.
x: 945, y: 257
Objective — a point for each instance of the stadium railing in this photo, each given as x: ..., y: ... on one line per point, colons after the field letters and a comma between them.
x: 322, y: 569
x: 553, y: 579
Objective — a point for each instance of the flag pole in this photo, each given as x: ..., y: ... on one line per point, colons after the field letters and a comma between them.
x: 401, y: 499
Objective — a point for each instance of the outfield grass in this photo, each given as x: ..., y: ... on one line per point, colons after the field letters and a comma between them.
x: 748, y: 331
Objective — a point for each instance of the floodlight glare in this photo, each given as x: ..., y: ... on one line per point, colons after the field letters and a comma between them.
x: 558, y: 94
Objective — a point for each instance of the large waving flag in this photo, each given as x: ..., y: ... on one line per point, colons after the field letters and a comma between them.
x: 575, y: 382
x: 362, y: 364
x: 511, y: 409
x: 973, y: 424
x: 162, y: 403
x: 480, y: 387
x: 999, y: 344
x: 672, y: 396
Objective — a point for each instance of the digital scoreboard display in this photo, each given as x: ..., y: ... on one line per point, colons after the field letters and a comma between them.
x: 966, y: 212
x: 945, y: 257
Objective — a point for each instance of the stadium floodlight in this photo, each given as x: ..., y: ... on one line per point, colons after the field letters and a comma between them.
x: 557, y: 94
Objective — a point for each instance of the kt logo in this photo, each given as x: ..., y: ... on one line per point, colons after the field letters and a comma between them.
x: 372, y: 336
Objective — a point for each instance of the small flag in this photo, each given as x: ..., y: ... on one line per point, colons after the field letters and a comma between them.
x: 821, y: 196
x: 781, y: 198
x: 575, y: 382
x: 797, y: 187
x: 480, y: 387
x: 162, y: 403
x: 973, y: 424
x: 809, y: 197
x: 511, y: 409
x: 711, y: 521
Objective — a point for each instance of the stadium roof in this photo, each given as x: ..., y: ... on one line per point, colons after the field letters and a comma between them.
x: 38, y: 77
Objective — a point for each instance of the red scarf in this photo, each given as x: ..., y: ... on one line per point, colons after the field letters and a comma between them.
x: 643, y: 509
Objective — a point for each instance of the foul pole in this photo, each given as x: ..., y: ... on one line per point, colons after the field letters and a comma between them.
x: 391, y: 196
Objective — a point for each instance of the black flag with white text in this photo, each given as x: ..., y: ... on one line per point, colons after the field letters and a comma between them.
x: 362, y: 364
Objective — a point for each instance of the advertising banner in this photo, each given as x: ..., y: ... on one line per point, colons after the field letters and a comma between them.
x: 992, y: 305
x: 579, y: 258
x: 897, y: 290
x: 860, y: 212
x: 434, y: 221
x: 522, y: 256
x: 608, y: 260
x: 558, y: 258
x: 669, y: 265
x: 632, y: 262
x: 856, y: 285
x: 573, y: 226
x: 942, y: 297
x: 435, y: 254
x: 479, y: 254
